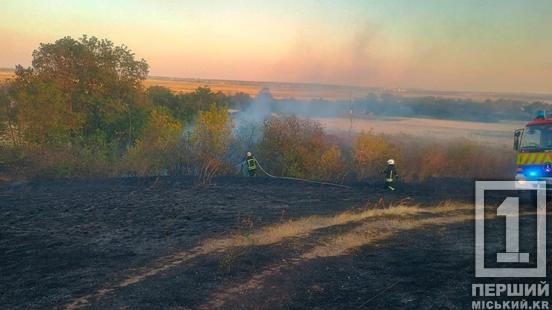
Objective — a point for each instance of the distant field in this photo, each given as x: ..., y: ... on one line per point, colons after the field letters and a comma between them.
x: 305, y: 91
x: 4, y: 75
x: 498, y: 134
x: 278, y: 90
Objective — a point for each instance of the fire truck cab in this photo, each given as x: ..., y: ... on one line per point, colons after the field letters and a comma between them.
x: 534, y: 150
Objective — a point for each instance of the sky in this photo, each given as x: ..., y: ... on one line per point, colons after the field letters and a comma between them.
x: 479, y: 45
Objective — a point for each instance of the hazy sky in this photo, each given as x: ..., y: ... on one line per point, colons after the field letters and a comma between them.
x: 484, y: 45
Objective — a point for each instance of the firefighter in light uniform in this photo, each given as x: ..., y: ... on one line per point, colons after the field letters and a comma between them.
x: 391, y: 175
x: 251, y: 164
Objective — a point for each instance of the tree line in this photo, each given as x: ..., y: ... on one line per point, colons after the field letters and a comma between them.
x: 81, y: 110
x: 391, y: 105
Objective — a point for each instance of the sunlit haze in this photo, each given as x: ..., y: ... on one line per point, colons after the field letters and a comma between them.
x: 441, y: 45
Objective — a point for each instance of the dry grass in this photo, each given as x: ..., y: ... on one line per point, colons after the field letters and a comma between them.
x: 342, y: 244
x: 371, y: 233
x: 301, y: 227
x: 269, y: 235
x: 295, y: 228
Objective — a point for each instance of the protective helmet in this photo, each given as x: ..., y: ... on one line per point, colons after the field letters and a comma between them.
x: 248, y: 153
x: 391, y: 162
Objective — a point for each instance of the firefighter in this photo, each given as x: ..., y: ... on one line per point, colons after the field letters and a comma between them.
x: 251, y: 164
x: 391, y: 175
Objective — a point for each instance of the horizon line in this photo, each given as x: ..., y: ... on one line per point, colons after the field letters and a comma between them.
x: 350, y: 86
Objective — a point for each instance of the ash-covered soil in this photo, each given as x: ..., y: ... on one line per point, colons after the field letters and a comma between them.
x: 140, y: 243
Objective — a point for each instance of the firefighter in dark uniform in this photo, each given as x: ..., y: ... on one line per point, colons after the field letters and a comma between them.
x: 251, y: 164
x: 391, y: 175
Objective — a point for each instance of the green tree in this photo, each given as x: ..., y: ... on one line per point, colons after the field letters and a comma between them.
x: 241, y: 101
x: 155, y: 150
x: 91, y: 88
x: 42, y: 115
x: 185, y: 107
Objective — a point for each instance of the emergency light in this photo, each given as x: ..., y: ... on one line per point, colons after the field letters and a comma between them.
x: 532, y: 172
x: 541, y: 115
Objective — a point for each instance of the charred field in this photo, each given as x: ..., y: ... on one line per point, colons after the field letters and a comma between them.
x: 164, y: 243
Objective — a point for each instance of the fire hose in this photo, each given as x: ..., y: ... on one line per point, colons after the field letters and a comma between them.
x: 297, y: 179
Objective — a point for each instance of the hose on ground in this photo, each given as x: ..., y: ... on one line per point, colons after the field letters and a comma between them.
x: 299, y: 179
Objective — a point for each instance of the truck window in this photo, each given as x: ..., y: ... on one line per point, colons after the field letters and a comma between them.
x: 531, y: 138
x: 537, y: 137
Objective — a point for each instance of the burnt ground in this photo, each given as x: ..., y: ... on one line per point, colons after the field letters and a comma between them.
x: 64, y: 240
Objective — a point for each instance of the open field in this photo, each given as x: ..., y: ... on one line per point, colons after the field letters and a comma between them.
x: 4, y: 75
x: 278, y: 90
x: 306, y: 91
x: 242, y: 243
x: 497, y: 134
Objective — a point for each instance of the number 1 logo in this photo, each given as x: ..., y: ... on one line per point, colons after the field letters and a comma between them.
x: 509, y: 209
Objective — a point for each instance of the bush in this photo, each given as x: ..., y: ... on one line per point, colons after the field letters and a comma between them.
x: 370, y: 154
x: 154, y: 153
x: 332, y: 166
x: 299, y: 148
x: 456, y: 159
x: 210, y: 139
x: 290, y: 145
